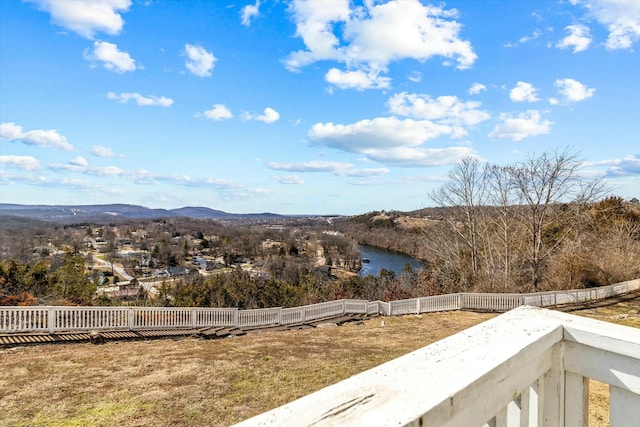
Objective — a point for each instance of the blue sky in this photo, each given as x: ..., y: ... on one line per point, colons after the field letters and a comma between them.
x: 300, y: 107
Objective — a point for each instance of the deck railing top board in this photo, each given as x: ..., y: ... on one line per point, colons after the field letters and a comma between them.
x: 462, y: 380
x: 433, y: 383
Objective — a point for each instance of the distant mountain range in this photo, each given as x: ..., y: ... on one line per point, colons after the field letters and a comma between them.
x: 99, y: 213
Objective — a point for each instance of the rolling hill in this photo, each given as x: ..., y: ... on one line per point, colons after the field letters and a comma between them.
x: 111, y: 212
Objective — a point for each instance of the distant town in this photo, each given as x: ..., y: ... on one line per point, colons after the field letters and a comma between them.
x: 126, y: 262
x: 132, y: 259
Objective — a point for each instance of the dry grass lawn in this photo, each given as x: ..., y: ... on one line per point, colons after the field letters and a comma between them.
x: 218, y: 382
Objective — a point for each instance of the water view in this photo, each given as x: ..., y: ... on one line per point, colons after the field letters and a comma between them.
x: 381, y: 258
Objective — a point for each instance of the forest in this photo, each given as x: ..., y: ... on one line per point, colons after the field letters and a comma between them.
x: 535, y: 225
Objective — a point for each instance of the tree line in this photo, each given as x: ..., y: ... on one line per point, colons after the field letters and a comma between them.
x: 61, y: 279
x: 535, y: 225
x: 289, y: 281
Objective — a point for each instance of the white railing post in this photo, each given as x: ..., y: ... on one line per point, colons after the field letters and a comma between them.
x: 194, y: 317
x: 236, y: 318
x: 132, y: 318
x: 553, y: 390
x: 624, y: 407
x: 51, y: 319
x: 530, y: 407
x: 417, y: 305
x: 576, y: 400
x: 508, y: 416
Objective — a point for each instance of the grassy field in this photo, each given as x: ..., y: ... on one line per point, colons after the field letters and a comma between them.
x: 197, y: 382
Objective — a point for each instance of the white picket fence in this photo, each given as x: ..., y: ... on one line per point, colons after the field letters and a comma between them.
x: 60, y: 319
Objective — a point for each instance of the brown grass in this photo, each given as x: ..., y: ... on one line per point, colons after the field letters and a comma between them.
x: 196, y: 382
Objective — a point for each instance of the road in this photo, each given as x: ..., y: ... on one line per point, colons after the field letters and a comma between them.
x: 116, y: 268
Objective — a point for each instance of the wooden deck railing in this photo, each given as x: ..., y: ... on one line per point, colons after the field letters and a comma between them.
x: 528, y: 367
x: 58, y: 319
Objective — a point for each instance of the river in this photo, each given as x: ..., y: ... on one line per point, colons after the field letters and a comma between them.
x: 382, y: 258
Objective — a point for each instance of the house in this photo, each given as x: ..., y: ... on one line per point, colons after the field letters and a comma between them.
x: 177, y: 271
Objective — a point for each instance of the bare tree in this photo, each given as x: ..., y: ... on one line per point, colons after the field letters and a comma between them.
x: 554, y: 195
x: 462, y: 196
x: 501, y: 224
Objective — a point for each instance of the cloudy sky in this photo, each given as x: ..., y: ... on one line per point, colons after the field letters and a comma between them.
x: 300, y: 107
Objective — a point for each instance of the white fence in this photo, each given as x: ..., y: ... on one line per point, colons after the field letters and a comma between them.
x: 58, y: 319
x: 476, y: 378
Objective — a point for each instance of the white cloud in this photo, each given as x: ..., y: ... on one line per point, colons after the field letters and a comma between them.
x: 9, y: 178
x: 289, y: 179
x: 27, y: 163
x: 314, y: 24
x: 79, y: 167
x: 79, y: 161
x: 522, y: 126
x: 336, y: 168
x: 111, y: 57
x: 105, y: 171
x: 218, y: 112
x: 535, y: 35
x: 145, y: 177
x: 364, y: 172
x: 269, y: 116
x: 100, y: 151
x: 445, y: 109
x: 41, y: 138
x: 621, y: 17
x: 141, y: 100
x: 420, y: 156
x: 525, y: 39
x: 358, y: 79
x: 573, y: 90
x: 415, y: 76
x: 476, y: 88
x: 86, y: 17
x: 378, y: 133
x: 248, y: 12
x: 579, y: 38
x: 390, y: 140
x: 80, y: 185
x: 311, y: 166
x: 523, y: 92
x: 56, y: 167
x: 369, y: 37
x: 407, y: 29
x: 92, y: 178
x: 199, y: 61
x: 627, y: 166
